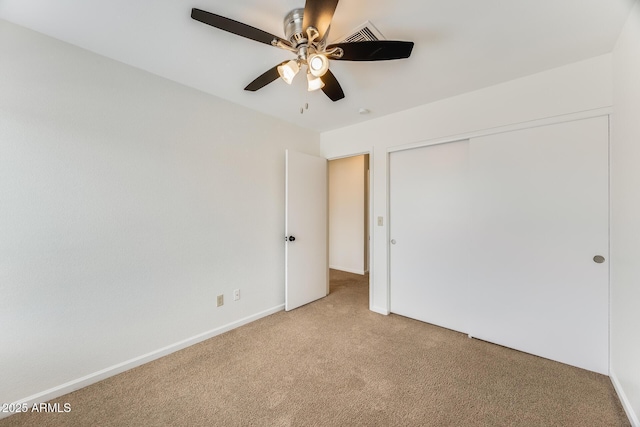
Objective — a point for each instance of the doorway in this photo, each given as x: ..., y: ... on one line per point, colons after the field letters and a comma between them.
x: 349, y: 227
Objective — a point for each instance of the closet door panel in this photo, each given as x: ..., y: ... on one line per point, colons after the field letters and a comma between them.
x: 539, y: 216
x: 429, y: 233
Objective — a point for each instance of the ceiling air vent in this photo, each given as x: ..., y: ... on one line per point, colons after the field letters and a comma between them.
x: 366, y: 32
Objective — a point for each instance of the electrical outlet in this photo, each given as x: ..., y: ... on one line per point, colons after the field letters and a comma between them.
x: 236, y: 294
x: 220, y: 300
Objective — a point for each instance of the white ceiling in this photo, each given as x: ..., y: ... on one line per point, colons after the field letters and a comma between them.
x: 460, y: 46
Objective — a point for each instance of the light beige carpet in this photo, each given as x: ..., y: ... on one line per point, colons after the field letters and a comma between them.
x: 335, y: 363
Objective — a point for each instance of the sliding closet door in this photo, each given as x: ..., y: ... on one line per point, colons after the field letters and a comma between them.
x: 429, y: 227
x: 540, y: 223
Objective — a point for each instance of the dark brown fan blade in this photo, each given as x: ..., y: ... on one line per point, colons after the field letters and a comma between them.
x: 235, y: 27
x: 379, y: 50
x: 318, y: 14
x: 264, y: 79
x: 331, y: 87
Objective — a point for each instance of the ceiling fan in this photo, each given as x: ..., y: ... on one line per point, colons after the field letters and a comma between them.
x: 306, y: 30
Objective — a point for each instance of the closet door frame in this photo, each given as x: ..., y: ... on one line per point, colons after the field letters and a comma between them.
x: 606, y: 112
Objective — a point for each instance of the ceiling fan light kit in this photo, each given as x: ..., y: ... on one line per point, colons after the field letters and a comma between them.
x: 288, y: 71
x: 306, y: 30
x: 314, y: 82
x: 318, y: 64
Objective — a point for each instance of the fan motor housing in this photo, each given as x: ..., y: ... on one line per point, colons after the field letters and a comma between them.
x: 293, y: 27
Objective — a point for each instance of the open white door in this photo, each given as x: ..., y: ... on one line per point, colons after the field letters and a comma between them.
x: 306, y: 261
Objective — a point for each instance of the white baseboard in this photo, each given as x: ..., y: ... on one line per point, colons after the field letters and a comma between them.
x: 379, y: 310
x: 87, y: 380
x: 633, y: 417
x: 348, y: 270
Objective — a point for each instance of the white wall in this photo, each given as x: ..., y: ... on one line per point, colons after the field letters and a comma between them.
x: 625, y: 217
x: 127, y: 203
x: 574, y: 88
x: 347, y: 214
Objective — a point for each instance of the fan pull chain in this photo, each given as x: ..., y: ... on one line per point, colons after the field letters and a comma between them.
x: 306, y: 102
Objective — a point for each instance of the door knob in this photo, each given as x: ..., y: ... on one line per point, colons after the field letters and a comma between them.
x: 598, y: 259
x: 292, y: 239
x: 393, y: 241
